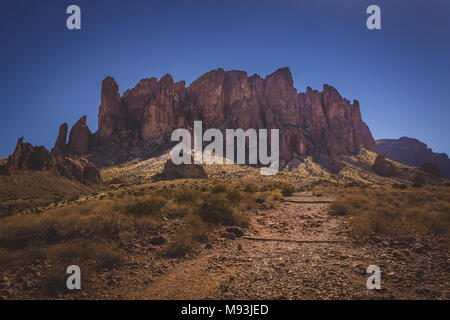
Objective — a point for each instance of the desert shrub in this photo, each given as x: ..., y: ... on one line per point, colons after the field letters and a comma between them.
x: 105, y: 255
x: 54, y: 283
x: 252, y: 188
x: 180, y: 246
x: 216, y: 209
x: 418, y: 181
x: 174, y: 209
x: 373, y: 222
x: 166, y: 193
x: 268, y: 199
x: 150, y: 206
x: 234, y: 196
x: 401, y: 186
x: 197, y: 228
x: 287, y: 190
x: 60, y: 224
x: 185, y: 195
x: 107, y: 258
x: 241, y: 219
x: 396, y: 213
x: 145, y: 225
x: 219, y: 188
x: 340, y: 208
x: 70, y: 252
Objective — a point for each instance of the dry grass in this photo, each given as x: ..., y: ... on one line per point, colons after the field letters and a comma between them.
x: 396, y: 212
x: 94, y: 232
x: 183, y: 244
x: 150, y: 206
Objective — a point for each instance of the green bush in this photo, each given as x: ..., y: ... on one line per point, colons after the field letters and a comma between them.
x: 234, y: 196
x: 216, y: 209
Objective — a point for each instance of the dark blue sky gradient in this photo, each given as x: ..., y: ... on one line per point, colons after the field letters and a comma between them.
x: 400, y: 74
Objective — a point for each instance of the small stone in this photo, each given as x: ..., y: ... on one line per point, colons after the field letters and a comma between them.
x: 237, y: 231
x: 158, y: 240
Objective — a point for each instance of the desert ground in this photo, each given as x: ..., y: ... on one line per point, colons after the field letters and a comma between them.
x: 302, y: 234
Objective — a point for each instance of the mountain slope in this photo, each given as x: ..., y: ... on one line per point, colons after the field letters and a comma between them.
x: 412, y: 152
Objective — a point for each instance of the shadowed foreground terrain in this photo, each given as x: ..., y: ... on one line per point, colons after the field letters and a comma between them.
x: 301, y: 234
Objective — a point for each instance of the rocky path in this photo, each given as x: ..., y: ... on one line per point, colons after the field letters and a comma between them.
x: 272, y: 269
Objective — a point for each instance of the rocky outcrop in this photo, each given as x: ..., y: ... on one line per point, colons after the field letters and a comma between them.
x: 79, y: 137
x: 311, y: 124
x: 412, y: 152
x: 383, y: 167
x: 26, y: 156
x: 61, y: 142
x: 29, y: 157
x: 173, y: 171
x: 112, y: 116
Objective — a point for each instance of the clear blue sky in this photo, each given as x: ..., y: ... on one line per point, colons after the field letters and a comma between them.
x: 400, y: 74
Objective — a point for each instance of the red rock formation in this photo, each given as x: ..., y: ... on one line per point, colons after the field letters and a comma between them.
x: 61, y: 142
x: 412, y: 152
x: 79, y: 137
x: 112, y: 116
x: 28, y: 157
x: 172, y: 171
x: 383, y: 167
x: 311, y: 123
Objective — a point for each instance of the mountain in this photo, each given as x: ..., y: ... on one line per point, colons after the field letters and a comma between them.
x: 29, y: 157
x: 413, y: 152
x: 139, y: 123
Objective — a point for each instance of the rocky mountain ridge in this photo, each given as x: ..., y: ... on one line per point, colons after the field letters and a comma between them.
x: 29, y: 157
x: 413, y: 152
x: 139, y: 123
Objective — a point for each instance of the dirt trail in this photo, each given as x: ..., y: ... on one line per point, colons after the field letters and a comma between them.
x: 252, y: 269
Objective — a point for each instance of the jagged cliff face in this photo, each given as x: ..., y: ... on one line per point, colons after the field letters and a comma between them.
x: 311, y: 123
x: 29, y: 157
x: 413, y: 152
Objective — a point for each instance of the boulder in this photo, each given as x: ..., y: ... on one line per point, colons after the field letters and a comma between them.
x: 158, y: 240
x: 383, y: 167
x: 172, y: 171
x: 237, y: 231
